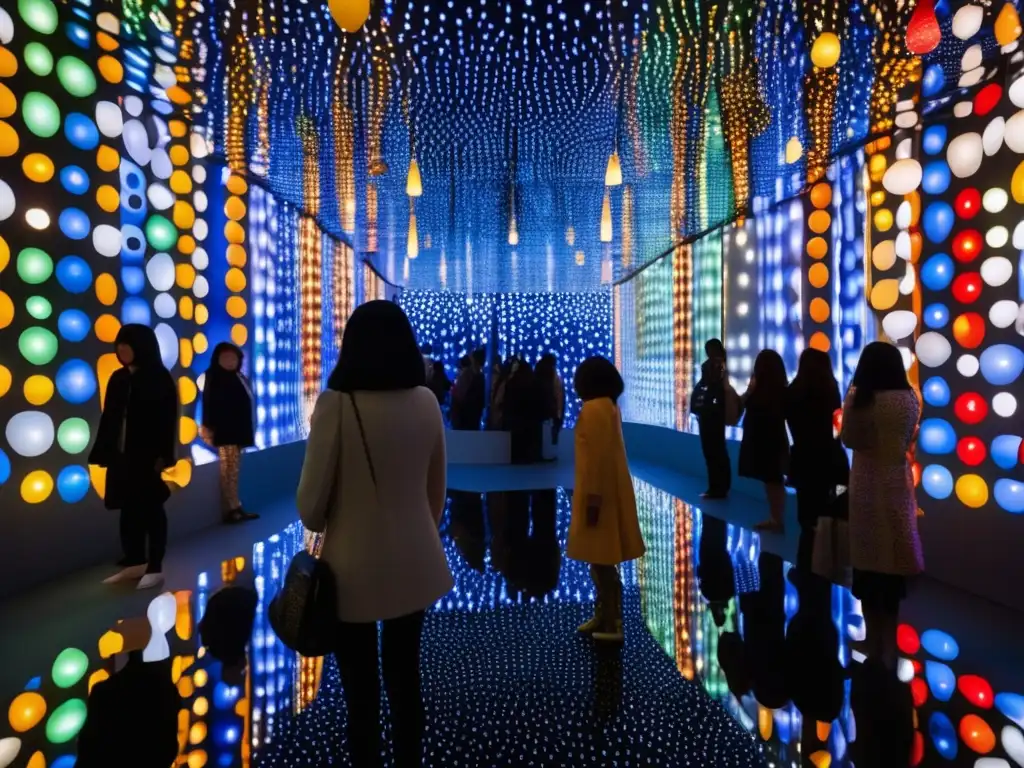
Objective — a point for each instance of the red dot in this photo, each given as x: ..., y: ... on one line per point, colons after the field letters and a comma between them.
x: 967, y: 245
x: 976, y: 690
x: 970, y: 408
x: 919, y: 690
x: 967, y: 287
x: 969, y: 330
x: 907, y: 640
x: 971, y: 451
x: 987, y: 99
x: 968, y: 203
x: 917, y: 754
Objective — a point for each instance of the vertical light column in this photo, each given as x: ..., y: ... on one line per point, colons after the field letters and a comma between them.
x: 310, y: 259
x: 682, y: 256
x: 817, y: 275
x: 741, y: 301
x: 685, y: 603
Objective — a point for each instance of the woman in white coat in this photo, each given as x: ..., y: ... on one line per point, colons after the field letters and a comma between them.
x: 373, y: 481
x: 880, y: 418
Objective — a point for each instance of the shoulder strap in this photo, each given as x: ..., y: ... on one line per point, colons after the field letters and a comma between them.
x: 362, y: 435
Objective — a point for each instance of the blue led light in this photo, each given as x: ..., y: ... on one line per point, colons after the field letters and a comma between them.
x: 74, y: 274
x: 74, y: 223
x: 74, y: 179
x: 81, y: 131
x: 73, y: 484
x: 73, y: 325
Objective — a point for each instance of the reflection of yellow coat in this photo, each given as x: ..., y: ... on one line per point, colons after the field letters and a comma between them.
x: 602, y: 471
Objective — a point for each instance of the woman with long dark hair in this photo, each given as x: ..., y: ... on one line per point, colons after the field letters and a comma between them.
x: 764, y: 450
x: 373, y: 481
x: 818, y: 463
x: 228, y: 423
x: 136, y: 440
x: 552, y: 401
x: 880, y: 417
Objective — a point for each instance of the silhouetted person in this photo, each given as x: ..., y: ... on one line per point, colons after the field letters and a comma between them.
x: 709, y: 405
x: 136, y: 440
x: 764, y: 632
x: 552, y: 402
x: 228, y: 423
x: 715, y: 570
x: 462, y: 411
x: 466, y: 520
x: 522, y: 414
x: 814, y: 675
x: 764, y: 451
x: 226, y: 627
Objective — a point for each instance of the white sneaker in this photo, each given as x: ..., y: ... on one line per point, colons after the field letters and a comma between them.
x: 130, y: 573
x: 151, y: 581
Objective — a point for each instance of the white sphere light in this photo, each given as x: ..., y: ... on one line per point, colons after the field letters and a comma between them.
x: 1018, y: 236
x: 164, y: 306
x: 963, y: 109
x: 106, y: 240
x: 992, y: 139
x: 161, y: 164
x: 1014, y: 133
x: 136, y: 141
x: 964, y: 154
x: 1004, y: 404
x: 133, y: 105
x: 200, y: 287
x: 200, y: 259
x: 1003, y: 313
x: 902, y: 177
x: 903, y: 246
x: 903, y: 215
x: 160, y: 197
x: 30, y: 433
x: 168, y: 341
x: 109, y: 119
x: 7, y: 204
x: 967, y: 365
x: 899, y: 324
x: 994, y: 200
x: 6, y: 27
x: 933, y: 349
x: 996, y: 271
x: 972, y: 58
x: 967, y: 21
x: 997, y: 237
x: 160, y: 271
x: 1016, y: 93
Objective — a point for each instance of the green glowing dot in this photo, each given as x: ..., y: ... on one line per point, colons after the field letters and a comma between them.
x: 38, y: 59
x: 39, y: 307
x: 41, y: 15
x: 73, y: 435
x: 69, y: 667
x: 76, y: 77
x: 66, y: 721
x: 160, y: 233
x: 41, y: 114
x: 34, y: 266
x: 37, y: 345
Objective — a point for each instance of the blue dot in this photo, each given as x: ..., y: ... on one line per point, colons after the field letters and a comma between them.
x: 5, y: 467
x: 938, y: 221
x: 75, y: 180
x: 934, y: 139
x: 76, y: 382
x: 937, y: 272
x: 73, y: 484
x: 941, y: 680
x: 1004, y: 451
x: 937, y: 481
x: 81, y: 131
x: 1009, y: 494
x: 936, y: 315
x: 133, y: 279
x: 135, y: 310
x: 133, y: 244
x: 936, y: 177
x: 936, y: 437
x: 64, y: 761
x: 73, y: 325
x: 936, y: 392
x: 74, y: 223
x: 940, y: 644
x: 943, y: 735
x: 1002, y: 364
x: 77, y: 34
x: 73, y: 274
x: 1012, y: 706
x: 934, y: 81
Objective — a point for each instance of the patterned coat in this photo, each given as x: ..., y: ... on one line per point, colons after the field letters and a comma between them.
x: 883, y: 508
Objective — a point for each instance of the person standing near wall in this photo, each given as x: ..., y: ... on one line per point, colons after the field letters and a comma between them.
x: 135, y: 441
x: 764, y: 451
x: 552, y: 397
x: 228, y: 423
x: 604, y: 530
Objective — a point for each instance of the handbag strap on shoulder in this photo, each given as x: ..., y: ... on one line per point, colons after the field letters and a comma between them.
x: 362, y: 435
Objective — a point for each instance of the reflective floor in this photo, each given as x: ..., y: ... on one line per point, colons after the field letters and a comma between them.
x: 732, y: 658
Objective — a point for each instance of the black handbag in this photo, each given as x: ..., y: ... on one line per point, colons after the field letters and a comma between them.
x: 304, y: 612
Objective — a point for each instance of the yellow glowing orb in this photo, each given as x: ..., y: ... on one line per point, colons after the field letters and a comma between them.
x: 349, y: 15
x: 234, y: 232
x: 200, y: 343
x: 234, y: 208
x: 184, y: 275
x: 106, y: 42
x: 187, y: 430
x: 819, y: 341
x: 106, y: 328
x: 9, y: 142
x: 817, y: 275
x: 197, y: 759
x: 236, y: 184
x: 37, y: 167
x: 186, y: 307
x: 105, y: 368
x: 794, y: 150
x: 107, y: 159
x: 236, y: 255
x: 178, y: 95
x: 5, y: 254
x: 185, y: 353
x: 178, y: 154
x: 38, y: 760
x: 819, y: 310
x: 825, y: 51
x: 187, y: 245
x: 821, y: 195
x: 106, y: 289
x: 235, y: 306
x: 817, y: 247
x: 26, y: 711
x: 98, y: 478
x: 883, y: 219
x: 111, y: 69
x: 1007, y: 27
x: 884, y: 294
x: 1017, y: 183
x: 180, y: 474
x: 36, y: 487
x: 8, y: 103
x: 235, y: 280
x: 38, y: 389
x: 5, y: 380
x: 819, y: 221
x: 202, y: 314
x: 6, y: 310
x: 8, y: 63
x: 184, y: 215
x: 107, y: 198
x: 187, y: 390
x: 178, y: 128
x: 181, y: 183
x: 239, y: 334
x: 972, y: 491
x: 98, y: 677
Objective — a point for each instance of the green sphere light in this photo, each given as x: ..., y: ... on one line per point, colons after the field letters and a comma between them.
x: 37, y: 345
x: 69, y: 667
x: 41, y: 114
x: 76, y: 76
x: 73, y: 435
x: 38, y: 307
x: 41, y: 15
x: 65, y: 722
x: 34, y: 266
x: 38, y: 59
x: 161, y: 233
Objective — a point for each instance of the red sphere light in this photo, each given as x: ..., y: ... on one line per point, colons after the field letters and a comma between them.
x: 969, y: 330
x: 976, y: 690
x: 967, y: 244
x: 977, y: 734
x: 907, y: 640
x: 968, y: 203
x: 967, y: 287
x: 919, y: 691
x: 971, y: 451
x: 987, y: 99
x: 970, y: 408
x: 923, y: 33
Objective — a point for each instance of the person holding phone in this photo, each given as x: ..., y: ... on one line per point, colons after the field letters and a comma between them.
x: 604, y: 530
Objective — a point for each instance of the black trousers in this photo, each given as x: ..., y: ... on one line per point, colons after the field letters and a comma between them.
x: 716, y: 455
x: 141, y: 522
x: 356, y: 652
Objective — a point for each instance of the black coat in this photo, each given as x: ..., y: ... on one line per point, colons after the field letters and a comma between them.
x: 137, y: 434
x: 817, y: 457
x: 227, y: 408
x: 764, y: 451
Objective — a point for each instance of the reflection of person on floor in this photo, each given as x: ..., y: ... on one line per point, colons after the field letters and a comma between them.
x: 466, y: 520
x: 764, y: 632
x: 709, y: 404
x: 374, y: 479
x: 523, y: 414
x: 714, y: 570
x: 764, y: 450
x: 552, y: 401
x: 228, y: 423
x: 604, y: 530
x: 879, y: 424
x: 226, y: 627
x: 532, y: 559
x: 135, y: 441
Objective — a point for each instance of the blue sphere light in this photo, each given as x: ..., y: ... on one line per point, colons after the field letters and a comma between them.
x: 5, y: 467
x: 937, y: 481
x: 937, y: 272
x: 943, y: 735
x: 934, y: 140
x: 76, y: 382
x: 74, y: 223
x: 1012, y: 707
x: 224, y: 695
x: 940, y: 644
x: 77, y: 34
x: 936, y: 437
x: 74, y: 274
x: 133, y: 279
x: 1004, y: 451
x: 936, y: 391
x: 64, y: 761
x: 933, y: 81
x: 941, y: 680
x: 73, y: 325
x: 74, y: 179
x: 936, y: 177
x: 1002, y: 364
x: 81, y: 131
x: 938, y: 221
x: 135, y: 310
x: 133, y: 244
x: 936, y: 316
x: 1009, y: 494
x: 73, y: 484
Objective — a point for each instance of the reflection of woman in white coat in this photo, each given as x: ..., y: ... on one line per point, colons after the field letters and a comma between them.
x: 374, y: 481
x: 880, y: 418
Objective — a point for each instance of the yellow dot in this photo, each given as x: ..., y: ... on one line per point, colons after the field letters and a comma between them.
x: 37, y: 167
x: 106, y: 328
x: 186, y: 390
x: 202, y: 314
x: 197, y: 758
x: 234, y: 208
x: 187, y: 430
x: 107, y: 42
x: 6, y: 310
x: 884, y: 294
x: 26, y: 711
x: 820, y: 310
x: 234, y: 232
x: 1017, y: 183
x: 877, y: 198
x: 819, y: 221
x: 883, y: 219
x: 181, y: 182
x: 36, y: 487
x: 95, y: 678
x: 111, y: 69
x: 187, y: 244
x: 178, y: 95
x: 235, y: 280
x: 107, y: 159
x: 817, y: 247
x: 876, y: 167
x: 200, y: 343
x: 5, y: 380
x: 185, y: 354
x: 177, y: 128
x: 825, y: 50
x: 98, y: 478
x: 817, y: 275
x: 106, y: 289
x: 972, y: 491
x: 180, y: 474
x: 239, y: 335
x: 236, y: 184
x: 105, y: 367
x: 5, y: 254
x: 38, y: 760
x: 8, y: 63
x: 236, y: 307
x: 110, y: 644
x: 8, y: 103
x: 38, y: 389
x: 819, y: 341
x: 821, y: 195
x: 184, y: 275
x: 9, y: 142
x: 178, y: 154
x: 107, y: 198
x: 184, y: 215
x: 186, y: 307
x: 236, y: 255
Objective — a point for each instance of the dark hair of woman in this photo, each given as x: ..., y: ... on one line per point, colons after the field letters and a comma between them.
x: 598, y: 377
x: 378, y: 351
x: 546, y: 368
x: 880, y: 368
x: 145, y: 347
x: 815, y: 379
x: 770, y: 375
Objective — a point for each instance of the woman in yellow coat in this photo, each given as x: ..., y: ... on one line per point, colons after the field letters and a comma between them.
x: 604, y: 530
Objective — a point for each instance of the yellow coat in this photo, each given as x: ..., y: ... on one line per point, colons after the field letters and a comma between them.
x: 602, y: 470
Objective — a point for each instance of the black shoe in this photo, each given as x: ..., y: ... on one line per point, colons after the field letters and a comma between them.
x: 239, y: 515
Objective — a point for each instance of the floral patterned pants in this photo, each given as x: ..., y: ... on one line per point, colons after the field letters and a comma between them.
x: 230, y: 464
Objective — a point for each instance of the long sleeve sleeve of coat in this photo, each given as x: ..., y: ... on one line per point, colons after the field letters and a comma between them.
x: 437, y: 479
x: 320, y: 466
x: 858, y: 430
x: 167, y: 442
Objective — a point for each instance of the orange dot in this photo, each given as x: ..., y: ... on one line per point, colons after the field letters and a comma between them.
x: 107, y: 198
x: 107, y: 42
x: 9, y: 141
x: 200, y: 343
x: 178, y: 154
x: 8, y: 63
x: 239, y: 334
x: 106, y: 289
x: 236, y: 307
x: 817, y: 275
x: 969, y: 330
x: 819, y: 222
x: 37, y: 167
x: 184, y: 275
x: 234, y: 208
x: 234, y: 232
x: 111, y: 69
x: 202, y: 314
x: 107, y: 159
x: 181, y: 182
x: 184, y: 215
x: 977, y: 734
x: 185, y: 354
x: 178, y: 128
x: 821, y: 195
x: 817, y: 247
x: 236, y: 255
x: 105, y: 367
x: 178, y: 95
x: 235, y: 280
x: 819, y: 310
x: 820, y: 341
x: 186, y: 307
x: 107, y: 328
x: 187, y: 245
x: 237, y: 185
x: 5, y: 254
x: 187, y: 430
